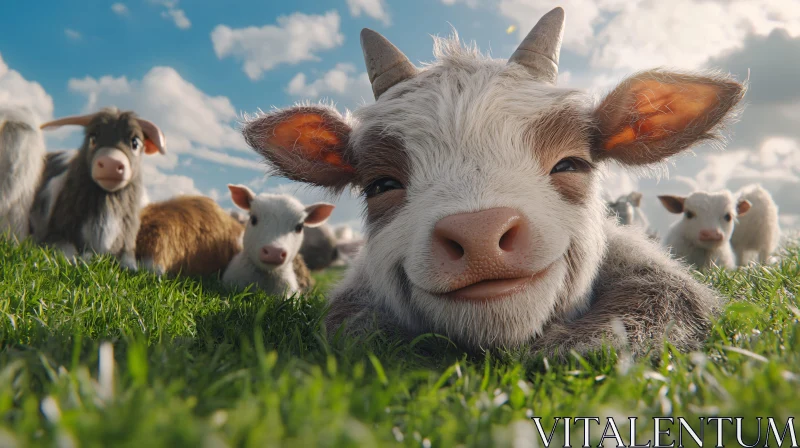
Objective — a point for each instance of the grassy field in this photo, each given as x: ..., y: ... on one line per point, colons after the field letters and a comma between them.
x: 94, y: 356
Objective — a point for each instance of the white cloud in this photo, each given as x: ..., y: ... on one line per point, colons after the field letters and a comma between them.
x: 72, y: 34
x: 195, y: 124
x: 177, y: 15
x: 639, y: 34
x: 581, y: 15
x: 373, y: 8
x: 469, y: 3
x: 120, y: 9
x: 15, y: 91
x: 189, y: 117
x: 295, y: 38
x: 161, y: 186
x: 227, y: 159
x: 342, y: 83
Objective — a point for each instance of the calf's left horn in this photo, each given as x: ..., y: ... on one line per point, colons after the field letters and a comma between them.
x: 386, y: 65
x: 78, y: 120
x: 541, y: 47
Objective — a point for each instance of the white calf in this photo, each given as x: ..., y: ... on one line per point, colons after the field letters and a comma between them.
x: 272, y: 238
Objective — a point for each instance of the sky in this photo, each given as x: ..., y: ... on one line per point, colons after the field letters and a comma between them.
x: 194, y: 67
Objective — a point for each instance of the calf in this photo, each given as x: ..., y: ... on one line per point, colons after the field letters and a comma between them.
x: 484, y: 219
x: 193, y: 235
x: 89, y: 201
x: 272, y: 238
x: 22, y: 152
x: 702, y: 237
x: 628, y: 212
x: 319, y: 247
x: 758, y: 231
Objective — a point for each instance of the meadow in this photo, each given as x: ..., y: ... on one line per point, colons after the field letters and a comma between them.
x: 92, y: 355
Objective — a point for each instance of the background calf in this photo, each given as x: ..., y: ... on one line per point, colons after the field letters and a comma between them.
x: 272, y: 238
x: 22, y: 152
x: 89, y: 201
x: 702, y: 236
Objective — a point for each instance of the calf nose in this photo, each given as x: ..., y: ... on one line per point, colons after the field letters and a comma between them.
x: 491, y: 244
x: 710, y: 235
x: 111, y: 168
x: 272, y: 255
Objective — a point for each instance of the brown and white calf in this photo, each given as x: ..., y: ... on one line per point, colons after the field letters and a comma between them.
x: 88, y: 201
x: 484, y: 218
x: 194, y: 236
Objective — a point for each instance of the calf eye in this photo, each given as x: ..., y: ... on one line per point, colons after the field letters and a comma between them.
x: 253, y: 220
x: 570, y: 164
x: 298, y: 228
x: 689, y: 215
x: 136, y: 143
x: 92, y: 141
x: 728, y: 217
x: 382, y: 185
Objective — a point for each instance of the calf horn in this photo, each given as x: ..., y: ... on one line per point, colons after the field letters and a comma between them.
x: 386, y: 65
x: 150, y: 130
x: 78, y: 120
x: 539, y: 51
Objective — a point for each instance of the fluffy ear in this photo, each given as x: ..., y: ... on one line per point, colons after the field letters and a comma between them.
x: 154, y: 140
x: 656, y: 114
x: 742, y: 207
x: 242, y: 196
x: 674, y: 204
x: 304, y: 143
x: 318, y: 213
x: 635, y: 198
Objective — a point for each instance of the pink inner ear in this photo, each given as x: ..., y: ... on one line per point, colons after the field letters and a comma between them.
x: 318, y: 214
x: 241, y: 196
x: 742, y: 207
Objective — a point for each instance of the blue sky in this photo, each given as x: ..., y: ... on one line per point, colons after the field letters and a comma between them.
x: 194, y: 66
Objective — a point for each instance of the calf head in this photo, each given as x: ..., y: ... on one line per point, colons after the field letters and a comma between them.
x: 274, y: 230
x: 479, y: 176
x: 708, y: 218
x: 623, y: 208
x: 113, y: 145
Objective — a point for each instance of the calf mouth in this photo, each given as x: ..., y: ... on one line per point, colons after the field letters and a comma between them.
x: 110, y: 184
x: 493, y: 289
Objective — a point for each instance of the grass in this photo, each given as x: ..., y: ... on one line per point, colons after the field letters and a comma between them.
x: 91, y: 355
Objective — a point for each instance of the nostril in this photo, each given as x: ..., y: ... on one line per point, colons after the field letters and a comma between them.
x: 453, y: 249
x: 120, y: 168
x: 100, y: 164
x: 508, y: 239
x: 283, y: 255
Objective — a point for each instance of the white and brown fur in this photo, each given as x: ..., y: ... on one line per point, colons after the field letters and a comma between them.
x: 470, y: 133
x: 75, y: 214
x: 22, y: 152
